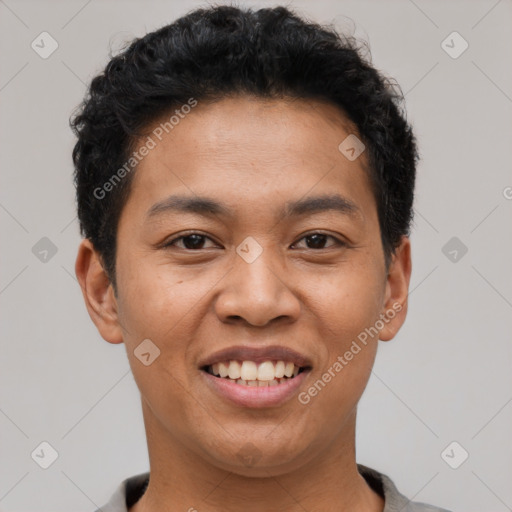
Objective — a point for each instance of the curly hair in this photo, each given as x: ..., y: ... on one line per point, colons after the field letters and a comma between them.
x: 212, y: 53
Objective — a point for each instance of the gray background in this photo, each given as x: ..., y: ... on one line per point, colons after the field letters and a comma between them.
x: 445, y: 378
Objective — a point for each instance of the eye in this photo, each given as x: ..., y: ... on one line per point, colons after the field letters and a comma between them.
x: 197, y: 241
x: 318, y: 241
x: 192, y: 241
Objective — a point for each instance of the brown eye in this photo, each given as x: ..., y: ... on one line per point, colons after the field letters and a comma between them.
x: 316, y: 241
x: 194, y: 241
x: 319, y: 240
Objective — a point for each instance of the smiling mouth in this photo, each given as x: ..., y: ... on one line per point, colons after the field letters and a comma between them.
x: 250, y: 373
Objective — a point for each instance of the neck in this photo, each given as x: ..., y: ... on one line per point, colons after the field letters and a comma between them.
x: 329, y: 482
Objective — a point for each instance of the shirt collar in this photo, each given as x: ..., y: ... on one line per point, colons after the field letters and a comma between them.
x: 131, y: 490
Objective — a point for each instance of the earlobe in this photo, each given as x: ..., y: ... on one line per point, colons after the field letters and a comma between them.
x: 98, y: 292
x: 397, y: 290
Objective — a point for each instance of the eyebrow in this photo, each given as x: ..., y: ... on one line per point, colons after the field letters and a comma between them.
x: 309, y: 205
x: 189, y: 204
x: 209, y: 207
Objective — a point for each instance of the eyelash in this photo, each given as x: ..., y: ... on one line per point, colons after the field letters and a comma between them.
x: 171, y: 243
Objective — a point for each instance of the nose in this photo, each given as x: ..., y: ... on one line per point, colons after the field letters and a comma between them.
x: 257, y: 294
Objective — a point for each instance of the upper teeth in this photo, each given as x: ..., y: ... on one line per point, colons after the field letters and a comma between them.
x: 249, y: 370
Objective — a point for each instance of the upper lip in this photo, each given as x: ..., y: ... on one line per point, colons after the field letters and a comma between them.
x: 256, y: 354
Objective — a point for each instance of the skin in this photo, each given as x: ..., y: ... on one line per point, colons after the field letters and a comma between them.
x: 254, y: 156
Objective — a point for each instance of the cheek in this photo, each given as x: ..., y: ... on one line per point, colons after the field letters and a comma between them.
x: 347, y: 302
x: 347, y: 307
x: 348, y: 356
x: 157, y: 306
x: 155, y: 298
x: 163, y: 311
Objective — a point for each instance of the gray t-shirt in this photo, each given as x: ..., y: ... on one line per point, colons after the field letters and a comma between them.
x: 131, y: 490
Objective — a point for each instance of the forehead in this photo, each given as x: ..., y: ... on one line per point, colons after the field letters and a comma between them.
x: 250, y: 150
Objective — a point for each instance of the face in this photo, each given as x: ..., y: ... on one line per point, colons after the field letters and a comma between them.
x: 248, y: 238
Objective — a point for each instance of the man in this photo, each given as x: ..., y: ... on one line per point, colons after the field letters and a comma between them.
x: 245, y: 187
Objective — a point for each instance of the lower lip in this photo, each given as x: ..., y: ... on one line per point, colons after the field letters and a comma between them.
x: 254, y: 396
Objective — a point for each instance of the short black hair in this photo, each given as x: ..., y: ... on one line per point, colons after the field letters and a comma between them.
x: 220, y: 51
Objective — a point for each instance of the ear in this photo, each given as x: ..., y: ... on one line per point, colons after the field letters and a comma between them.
x: 397, y: 290
x: 98, y: 292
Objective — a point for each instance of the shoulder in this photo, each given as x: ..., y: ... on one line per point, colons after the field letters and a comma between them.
x: 128, y: 492
x: 394, y: 500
